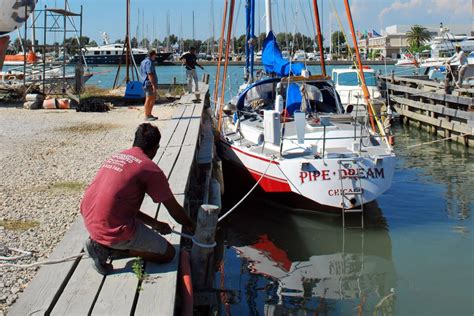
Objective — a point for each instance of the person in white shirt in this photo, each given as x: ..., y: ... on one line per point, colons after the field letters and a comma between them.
x: 460, y: 56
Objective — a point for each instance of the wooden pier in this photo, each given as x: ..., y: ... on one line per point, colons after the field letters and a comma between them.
x: 75, y: 288
x: 423, y: 103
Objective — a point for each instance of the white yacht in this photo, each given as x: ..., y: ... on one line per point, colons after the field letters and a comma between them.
x: 347, y: 84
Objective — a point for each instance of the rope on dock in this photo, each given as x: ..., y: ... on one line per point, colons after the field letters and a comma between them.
x: 37, y: 264
x: 439, y: 140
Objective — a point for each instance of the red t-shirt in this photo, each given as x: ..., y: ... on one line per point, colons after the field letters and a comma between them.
x: 113, y: 199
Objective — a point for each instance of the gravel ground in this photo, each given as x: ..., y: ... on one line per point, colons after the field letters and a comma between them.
x: 47, y: 158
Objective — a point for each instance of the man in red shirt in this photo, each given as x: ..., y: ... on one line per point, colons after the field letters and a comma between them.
x: 111, y: 205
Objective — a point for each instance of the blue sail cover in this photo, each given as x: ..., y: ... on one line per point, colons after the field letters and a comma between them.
x: 274, y: 62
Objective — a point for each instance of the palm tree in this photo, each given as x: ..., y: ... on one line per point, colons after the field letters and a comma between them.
x: 417, y: 35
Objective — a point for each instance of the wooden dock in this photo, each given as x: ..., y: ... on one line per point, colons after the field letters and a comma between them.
x: 75, y: 288
x: 423, y: 103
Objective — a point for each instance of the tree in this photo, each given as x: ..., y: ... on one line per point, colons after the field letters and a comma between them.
x: 417, y: 36
x: 338, y: 40
x: 72, y: 45
x: 18, y: 44
x: 134, y: 42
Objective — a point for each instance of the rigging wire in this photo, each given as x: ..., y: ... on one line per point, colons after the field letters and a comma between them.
x: 226, y: 63
x: 219, y: 57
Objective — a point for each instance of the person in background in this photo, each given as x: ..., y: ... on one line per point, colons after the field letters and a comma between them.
x: 189, y: 60
x: 150, y: 84
x: 460, y: 56
x: 111, y: 206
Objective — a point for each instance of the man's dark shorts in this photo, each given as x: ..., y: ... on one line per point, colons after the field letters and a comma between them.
x: 149, y: 91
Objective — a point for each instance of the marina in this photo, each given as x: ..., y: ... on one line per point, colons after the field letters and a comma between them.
x: 307, y: 172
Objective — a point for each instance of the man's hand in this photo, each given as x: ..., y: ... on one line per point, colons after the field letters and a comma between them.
x: 163, y: 228
x: 153, y: 88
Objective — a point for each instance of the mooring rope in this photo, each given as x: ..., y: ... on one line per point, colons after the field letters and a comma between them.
x: 248, y: 193
x: 439, y: 140
x: 194, y: 240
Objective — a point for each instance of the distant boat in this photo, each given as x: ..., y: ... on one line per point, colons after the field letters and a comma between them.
x: 113, y: 54
x: 347, y: 84
x: 19, y: 59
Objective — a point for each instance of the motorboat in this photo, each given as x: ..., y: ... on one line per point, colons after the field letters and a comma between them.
x: 347, y: 84
x: 113, y: 54
x: 288, y: 133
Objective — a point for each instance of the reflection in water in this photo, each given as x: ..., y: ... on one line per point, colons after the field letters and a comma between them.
x: 446, y: 163
x: 280, y: 263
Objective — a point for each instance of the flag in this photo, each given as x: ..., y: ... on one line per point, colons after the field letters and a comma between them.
x: 375, y: 34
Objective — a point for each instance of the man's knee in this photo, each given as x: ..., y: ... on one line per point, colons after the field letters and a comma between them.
x: 169, y: 253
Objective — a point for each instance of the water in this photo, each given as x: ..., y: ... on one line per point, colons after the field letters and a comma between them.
x: 415, y: 257
x: 419, y: 246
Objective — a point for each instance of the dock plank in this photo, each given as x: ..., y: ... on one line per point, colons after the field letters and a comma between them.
x: 42, y: 293
x: 466, y: 101
x: 182, y: 128
x: 160, y: 299
x: 118, y: 291
x: 179, y: 179
x: 77, y: 298
x: 440, y: 109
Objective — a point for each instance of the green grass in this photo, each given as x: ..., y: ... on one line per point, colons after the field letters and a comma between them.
x: 139, y: 270
x: 18, y: 225
x: 87, y: 128
x: 67, y: 186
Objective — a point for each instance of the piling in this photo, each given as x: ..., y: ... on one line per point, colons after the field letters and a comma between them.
x: 205, y: 234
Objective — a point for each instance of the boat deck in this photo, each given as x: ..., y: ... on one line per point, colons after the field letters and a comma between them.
x: 75, y: 288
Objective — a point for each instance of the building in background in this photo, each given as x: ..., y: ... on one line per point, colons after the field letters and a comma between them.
x: 393, y: 40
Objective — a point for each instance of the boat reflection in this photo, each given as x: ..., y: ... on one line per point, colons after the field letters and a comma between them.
x: 285, y: 263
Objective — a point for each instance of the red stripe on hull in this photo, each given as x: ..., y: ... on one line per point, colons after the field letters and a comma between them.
x: 269, y: 184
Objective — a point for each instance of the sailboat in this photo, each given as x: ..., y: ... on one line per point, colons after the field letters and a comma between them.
x: 288, y: 133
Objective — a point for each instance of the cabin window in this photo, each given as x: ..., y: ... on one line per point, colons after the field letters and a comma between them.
x: 108, y: 52
x: 96, y: 53
x: 352, y: 79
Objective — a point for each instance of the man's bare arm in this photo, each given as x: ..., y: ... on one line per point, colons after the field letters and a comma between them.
x: 162, y: 227
x: 179, y: 214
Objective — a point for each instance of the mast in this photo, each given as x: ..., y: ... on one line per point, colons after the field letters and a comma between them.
x: 330, y: 36
x: 320, y: 39
x: 268, y: 16
x: 194, y: 35
x: 359, y: 62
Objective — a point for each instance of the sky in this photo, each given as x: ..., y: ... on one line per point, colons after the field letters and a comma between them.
x: 109, y: 15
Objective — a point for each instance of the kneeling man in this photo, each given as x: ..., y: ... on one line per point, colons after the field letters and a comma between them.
x: 111, y: 205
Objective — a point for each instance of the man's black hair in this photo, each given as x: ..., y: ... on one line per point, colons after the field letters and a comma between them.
x: 147, y: 137
x: 192, y: 48
x: 151, y: 53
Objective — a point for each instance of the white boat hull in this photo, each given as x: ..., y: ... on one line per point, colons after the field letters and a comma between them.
x: 316, y: 180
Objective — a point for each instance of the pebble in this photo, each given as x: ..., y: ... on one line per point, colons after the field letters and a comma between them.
x: 36, y: 151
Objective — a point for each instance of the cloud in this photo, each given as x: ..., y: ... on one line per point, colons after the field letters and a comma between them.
x: 440, y: 6
x: 453, y: 6
x: 401, y: 5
